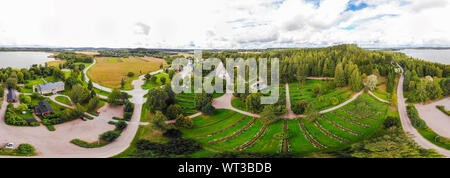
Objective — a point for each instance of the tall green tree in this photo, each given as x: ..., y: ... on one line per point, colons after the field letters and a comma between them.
x: 356, y: 83
x: 79, y: 94
x: 268, y: 115
x: 159, y: 121
x: 339, y: 76
x: 157, y: 99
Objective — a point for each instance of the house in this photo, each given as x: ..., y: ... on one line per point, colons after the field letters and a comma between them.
x: 43, y: 108
x: 50, y: 88
x: 12, y: 98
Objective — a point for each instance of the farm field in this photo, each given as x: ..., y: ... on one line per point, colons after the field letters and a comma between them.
x: 229, y: 131
x: 102, y: 73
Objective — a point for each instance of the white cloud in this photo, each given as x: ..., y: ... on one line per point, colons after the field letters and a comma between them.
x: 223, y: 23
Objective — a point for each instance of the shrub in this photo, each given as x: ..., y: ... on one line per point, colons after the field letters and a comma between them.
x: 173, y: 133
x: 334, y: 101
x: 442, y: 108
x: 129, y: 107
x: 110, y: 136
x: 391, y: 121
x: 173, y: 111
x: 175, y: 146
x: 25, y: 149
x: 414, y: 117
x: 208, y: 109
x: 184, y: 122
x: 121, y: 125
x: 299, y: 107
x: 130, y: 74
x: 127, y: 116
x: 117, y: 118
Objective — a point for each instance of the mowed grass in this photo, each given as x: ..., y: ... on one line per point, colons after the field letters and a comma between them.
x: 298, y: 93
x: 157, y: 83
x: 110, y: 71
x: 299, y: 143
x: 186, y: 100
x: 268, y: 143
x: 204, y: 125
x: 64, y: 100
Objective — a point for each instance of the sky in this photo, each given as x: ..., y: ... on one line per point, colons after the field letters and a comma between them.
x: 224, y: 24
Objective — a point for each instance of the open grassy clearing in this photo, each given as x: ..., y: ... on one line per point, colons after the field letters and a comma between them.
x: 149, y: 84
x: 55, y: 63
x: 381, y: 94
x: 64, y: 100
x: 109, y: 71
x: 305, y: 92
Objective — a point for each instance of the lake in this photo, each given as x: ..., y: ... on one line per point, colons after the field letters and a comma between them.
x: 20, y: 60
x: 432, y: 55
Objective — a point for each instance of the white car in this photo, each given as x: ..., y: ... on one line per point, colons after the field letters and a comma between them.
x: 9, y: 145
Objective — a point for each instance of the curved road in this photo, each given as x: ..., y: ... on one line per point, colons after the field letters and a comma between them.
x: 408, y: 127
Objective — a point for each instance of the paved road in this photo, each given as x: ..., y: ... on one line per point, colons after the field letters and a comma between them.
x: 407, y: 126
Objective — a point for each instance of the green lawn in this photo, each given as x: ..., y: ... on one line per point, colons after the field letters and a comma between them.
x: 64, y: 100
x: 298, y: 93
x: 149, y: 84
x: 238, y: 104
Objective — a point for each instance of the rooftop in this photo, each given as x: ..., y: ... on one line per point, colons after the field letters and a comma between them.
x: 49, y: 86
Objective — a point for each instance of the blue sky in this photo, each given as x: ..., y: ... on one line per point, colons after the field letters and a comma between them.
x: 224, y: 23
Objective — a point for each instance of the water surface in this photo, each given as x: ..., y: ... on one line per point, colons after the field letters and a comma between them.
x: 432, y: 55
x: 20, y: 60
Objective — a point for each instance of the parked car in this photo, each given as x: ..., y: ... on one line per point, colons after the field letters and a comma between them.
x: 97, y: 112
x: 9, y: 145
x: 83, y: 118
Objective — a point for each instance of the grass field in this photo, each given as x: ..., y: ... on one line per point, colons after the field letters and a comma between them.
x: 55, y: 63
x: 305, y: 92
x: 149, y: 84
x: 110, y: 71
x: 186, y: 100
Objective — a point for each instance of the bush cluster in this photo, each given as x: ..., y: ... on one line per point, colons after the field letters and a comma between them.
x: 414, y: 117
